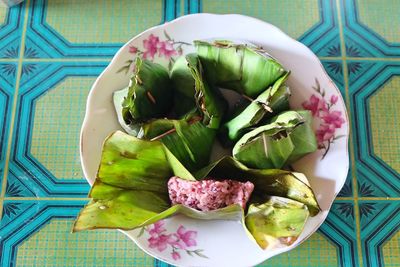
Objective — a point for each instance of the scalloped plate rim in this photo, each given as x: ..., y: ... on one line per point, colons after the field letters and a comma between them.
x: 180, y: 20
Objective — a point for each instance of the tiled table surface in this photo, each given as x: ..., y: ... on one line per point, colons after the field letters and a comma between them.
x: 52, y: 51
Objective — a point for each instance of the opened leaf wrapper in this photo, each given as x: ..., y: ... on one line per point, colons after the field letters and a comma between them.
x: 130, y: 191
x: 267, y: 182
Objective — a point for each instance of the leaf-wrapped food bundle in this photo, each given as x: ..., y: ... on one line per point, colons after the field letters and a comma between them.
x: 303, y: 137
x: 122, y: 200
x: 184, y: 87
x: 279, y: 221
x: 150, y: 93
x: 278, y: 143
x: 131, y: 128
x: 270, y: 102
x: 190, y: 141
x: 247, y: 69
x: 187, y: 138
x: 133, y: 163
x: 209, y: 99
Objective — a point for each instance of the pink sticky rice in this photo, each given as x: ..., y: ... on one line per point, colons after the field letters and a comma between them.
x: 208, y: 194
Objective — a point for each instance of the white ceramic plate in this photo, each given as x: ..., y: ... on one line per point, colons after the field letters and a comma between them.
x: 224, y: 243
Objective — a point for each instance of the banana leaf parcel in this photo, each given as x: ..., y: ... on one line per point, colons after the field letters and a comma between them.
x: 270, y: 102
x: 130, y: 192
x: 189, y: 138
x: 287, y: 138
x: 247, y: 69
x: 150, y: 93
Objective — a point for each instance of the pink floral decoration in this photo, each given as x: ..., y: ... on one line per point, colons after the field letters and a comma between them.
x: 166, y: 49
x: 150, y: 45
x: 175, y: 255
x: 154, y: 46
x: 182, y: 239
x: 315, y: 105
x: 158, y: 228
x: 334, y: 99
x: 160, y: 242
x: 330, y: 120
x: 325, y: 132
x: 133, y: 49
x: 333, y: 118
x: 188, y: 237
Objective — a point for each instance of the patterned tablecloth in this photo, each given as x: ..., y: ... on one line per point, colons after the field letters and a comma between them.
x: 52, y: 51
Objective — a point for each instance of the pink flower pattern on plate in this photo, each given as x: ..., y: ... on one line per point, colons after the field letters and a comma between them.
x: 166, y: 49
x: 330, y: 120
x: 187, y: 237
x: 179, y: 242
x: 153, y: 46
x: 315, y: 105
x: 150, y: 45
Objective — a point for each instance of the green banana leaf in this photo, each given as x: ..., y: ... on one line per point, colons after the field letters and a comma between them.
x: 273, y: 100
x: 157, y: 127
x: 150, y: 93
x: 190, y: 142
x: 209, y: 99
x: 278, y: 221
x: 123, y: 208
x: 121, y: 196
x: 302, y: 136
x: 133, y: 163
x: 247, y: 69
x: 118, y: 99
x: 121, y: 199
x: 187, y: 138
x: 267, y: 182
x: 273, y: 145
x: 184, y: 88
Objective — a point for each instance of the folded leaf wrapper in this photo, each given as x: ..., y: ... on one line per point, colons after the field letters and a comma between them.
x: 287, y: 138
x: 190, y: 141
x: 130, y: 190
x: 247, y: 69
x: 279, y: 221
x: 118, y: 99
x: 209, y: 99
x: 150, y: 93
x: 270, y: 102
x: 184, y: 87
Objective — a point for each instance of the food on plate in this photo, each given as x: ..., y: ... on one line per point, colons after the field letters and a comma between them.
x: 131, y: 188
x: 277, y: 221
x: 287, y: 138
x: 209, y: 194
x: 189, y: 139
x: 209, y: 100
x: 245, y: 68
x: 184, y: 87
x: 272, y: 101
x: 161, y: 165
x: 150, y: 93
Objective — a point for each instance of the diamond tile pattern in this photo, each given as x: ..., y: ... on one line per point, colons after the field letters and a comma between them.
x: 51, y: 51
